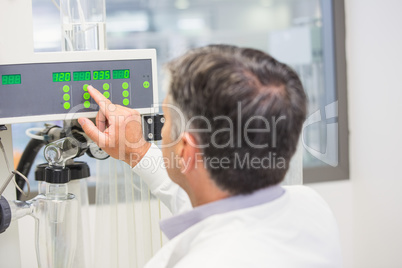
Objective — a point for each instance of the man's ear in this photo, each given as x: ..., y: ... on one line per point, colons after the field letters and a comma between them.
x: 189, y: 152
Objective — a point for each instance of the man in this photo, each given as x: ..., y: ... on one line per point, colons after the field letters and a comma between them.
x: 233, y: 120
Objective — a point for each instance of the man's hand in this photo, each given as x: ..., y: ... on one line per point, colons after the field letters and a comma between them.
x: 118, y: 130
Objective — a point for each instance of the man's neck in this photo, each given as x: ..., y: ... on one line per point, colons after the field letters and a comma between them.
x: 203, y: 190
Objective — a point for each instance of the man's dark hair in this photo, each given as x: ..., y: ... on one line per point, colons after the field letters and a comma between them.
x: 240, y: 89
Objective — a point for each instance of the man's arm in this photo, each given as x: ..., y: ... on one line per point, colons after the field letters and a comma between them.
x: 152, y: 171
x: 118, y: 132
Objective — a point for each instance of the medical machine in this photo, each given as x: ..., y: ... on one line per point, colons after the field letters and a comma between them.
x: 53, y: 86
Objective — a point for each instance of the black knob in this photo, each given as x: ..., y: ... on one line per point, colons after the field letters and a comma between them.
x: 5, y: 214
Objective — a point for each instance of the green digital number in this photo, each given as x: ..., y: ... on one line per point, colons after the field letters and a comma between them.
x: 121, y: 74
x: 82, y: 76
x: 62, y: 77
x: 11, y: 79
x: 101, y: 75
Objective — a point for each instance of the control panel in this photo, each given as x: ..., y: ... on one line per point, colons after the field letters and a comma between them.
x: 56, y: 87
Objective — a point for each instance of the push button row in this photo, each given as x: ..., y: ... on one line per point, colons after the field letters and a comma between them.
x: 106, y: 93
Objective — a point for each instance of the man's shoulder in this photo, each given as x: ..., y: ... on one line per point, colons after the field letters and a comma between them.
x: 301, y: 189
x: 305, y: 196
x: 295, y: 211
x: 281, y: 232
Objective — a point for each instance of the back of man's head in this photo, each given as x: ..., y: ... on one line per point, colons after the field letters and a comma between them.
x: 245, y: 109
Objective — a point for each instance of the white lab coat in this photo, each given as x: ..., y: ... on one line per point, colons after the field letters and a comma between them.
x: 295, y: 230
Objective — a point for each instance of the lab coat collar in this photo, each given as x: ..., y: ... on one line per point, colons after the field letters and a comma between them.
x: 177, y: 224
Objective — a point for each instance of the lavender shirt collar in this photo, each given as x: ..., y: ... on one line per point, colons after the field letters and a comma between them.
x: 177, y: 224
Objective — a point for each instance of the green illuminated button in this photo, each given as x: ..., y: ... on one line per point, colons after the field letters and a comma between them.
x: 87, y: 96
x: 87, y: 104
x: 66, y: 88
x: 85, y: 87
x: 125, y: 93
x: 66, y: 97
x: 125, y: 85
x: 106, y: 86
x: 126, y: 102
x: 146, y: 84
x: 106, y: 94
x: 66, y: 105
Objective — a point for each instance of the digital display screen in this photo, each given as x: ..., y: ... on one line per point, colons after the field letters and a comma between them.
x: 121, y: 74
x: 101, y: 75
x: 11, y: 79
x: 77, y: 76
x: 82, y: 76
x: 61, y: 77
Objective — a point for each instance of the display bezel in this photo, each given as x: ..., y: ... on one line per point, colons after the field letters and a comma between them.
x: 5, y: 79
x: 116, y: 74
x: 97, y: 73
x: 78, y: 73
x: 64, y: 79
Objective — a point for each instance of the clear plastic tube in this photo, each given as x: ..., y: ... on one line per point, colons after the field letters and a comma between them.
x: 83, y: 253
x: 83, y: 24
x: 55, y: 214
x: 127, y: 216
x: 56, y: 228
